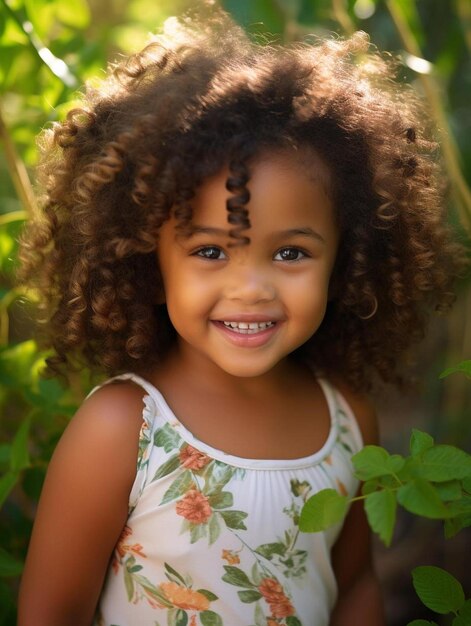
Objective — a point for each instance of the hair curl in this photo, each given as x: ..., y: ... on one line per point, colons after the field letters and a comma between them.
x: 203, y: 96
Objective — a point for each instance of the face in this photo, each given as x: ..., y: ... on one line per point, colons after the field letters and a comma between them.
x: 244, y: 309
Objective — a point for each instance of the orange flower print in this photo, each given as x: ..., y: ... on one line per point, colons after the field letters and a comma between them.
x: 328, y: 459
x: 231, y: 557
x: 193, y: 459
x: 341, y: 487
x: 184, y: 598
x: 123, y: 548
x: 193, y: 620
x: 194, y: 507
x: 274, y: 596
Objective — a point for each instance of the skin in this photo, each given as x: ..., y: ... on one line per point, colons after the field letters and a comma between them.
x: 282, y: 276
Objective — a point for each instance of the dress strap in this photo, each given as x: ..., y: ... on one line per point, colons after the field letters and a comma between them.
x: 135, y: 378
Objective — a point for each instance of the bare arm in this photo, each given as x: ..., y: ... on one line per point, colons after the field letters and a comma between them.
x: 82, y: 510
x: 359, y: 598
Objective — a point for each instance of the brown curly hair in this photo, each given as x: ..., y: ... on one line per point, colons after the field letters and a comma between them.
x: 204, y: 96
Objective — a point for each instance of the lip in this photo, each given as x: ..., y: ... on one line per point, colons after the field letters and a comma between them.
x: 246, y: 340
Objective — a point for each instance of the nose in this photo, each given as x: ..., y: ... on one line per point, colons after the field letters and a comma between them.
x: 250, y: 285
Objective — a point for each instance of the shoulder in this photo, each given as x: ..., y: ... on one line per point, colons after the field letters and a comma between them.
x: 362, y: 408
x: 108, y: 421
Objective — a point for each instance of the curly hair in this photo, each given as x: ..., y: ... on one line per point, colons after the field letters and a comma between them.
x: 202, y: 96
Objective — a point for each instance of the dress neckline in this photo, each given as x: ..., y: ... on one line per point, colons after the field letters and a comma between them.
x: 231, y: 459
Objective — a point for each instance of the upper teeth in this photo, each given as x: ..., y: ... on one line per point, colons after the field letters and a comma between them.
x: 248, y: 327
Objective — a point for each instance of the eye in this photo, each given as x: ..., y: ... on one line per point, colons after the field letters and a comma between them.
x: 289, y: 254
x: 212, y: 253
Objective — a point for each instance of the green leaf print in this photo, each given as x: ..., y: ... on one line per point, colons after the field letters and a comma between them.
x: 260, y: 619
x: 167, y: 438
x: 234, y: 519
x: 197, y: 531
x: 220, y: 475
x: 249, y: 596
x: 221, y: 500
x: 235, y: 576
x: 168, y: 467
x: 177, y: 617
x: 129, y: 584
x: 173, y: 575
x: 267, y: 550
x: 257, y: 575
x: 208, y: 594
x: 179, y: 486
x: 293, y: 621
x: 210, y: 618
x: 214, y: 528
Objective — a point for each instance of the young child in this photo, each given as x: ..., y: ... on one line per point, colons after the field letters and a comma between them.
x: 242, y: 237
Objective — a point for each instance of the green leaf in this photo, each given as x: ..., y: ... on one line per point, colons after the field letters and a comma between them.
x: 221, y: 500
x: 267, y: 550
x: 467, y: 484
x: 129, y: 584
x: 464, y: 368
x: 374, y: 461
x: 19, y: 449
x: 248, y: 596
x: 449, y: 491
x: 235, y: 576
x: 9, y: 565
x: 174, y: 574
x: 208, y: 594
x: 167, y: 438
x: 438, y: 590
x: 369, y: 486
x: 380, y: 508
x: 292, y: 620
x: 420, y: 441
x: 453, y: 526
x: 198, y: 531
x: 322, y: 510
x: 181, y: 618
x: 179, y: 486
x: 234, y: 519
x: 464, y: 615
x: 168, y: 467
x: 443, y: 463
x: 421, y: 498
x: 7, y: 482
x: 214, y: 528
x: 210, y: 618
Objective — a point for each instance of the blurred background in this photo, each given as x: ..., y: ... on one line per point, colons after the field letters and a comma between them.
x: 48, y: 48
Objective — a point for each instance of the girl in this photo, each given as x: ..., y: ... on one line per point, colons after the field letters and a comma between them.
x: 243, y: 237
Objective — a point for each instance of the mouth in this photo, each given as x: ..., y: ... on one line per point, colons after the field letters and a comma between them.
x: 248, y: 328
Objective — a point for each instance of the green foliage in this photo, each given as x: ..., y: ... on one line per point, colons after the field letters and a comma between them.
x: 432, y: 482
x: 442, y: 593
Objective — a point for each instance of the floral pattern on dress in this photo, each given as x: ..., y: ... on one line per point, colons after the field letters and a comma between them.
x: 184, y: 605
x: 198, y: 489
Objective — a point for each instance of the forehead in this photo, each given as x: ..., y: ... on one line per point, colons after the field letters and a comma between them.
x: 286, y: 186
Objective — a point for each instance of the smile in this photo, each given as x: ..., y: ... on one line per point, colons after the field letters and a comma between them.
x: 248, y: 328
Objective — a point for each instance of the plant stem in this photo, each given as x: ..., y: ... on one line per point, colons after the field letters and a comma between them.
x: 18, y: 172
x: 450, y: 151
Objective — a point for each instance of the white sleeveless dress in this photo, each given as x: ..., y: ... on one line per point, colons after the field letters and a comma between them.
x: 212, y: 539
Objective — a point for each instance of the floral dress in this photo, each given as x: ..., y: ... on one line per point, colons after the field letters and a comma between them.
x: 212, y: 539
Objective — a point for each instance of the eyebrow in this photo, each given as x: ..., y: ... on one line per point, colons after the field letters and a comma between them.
x: 306, y: 231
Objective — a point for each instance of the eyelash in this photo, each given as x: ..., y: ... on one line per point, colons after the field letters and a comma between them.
x: 201, y: 253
